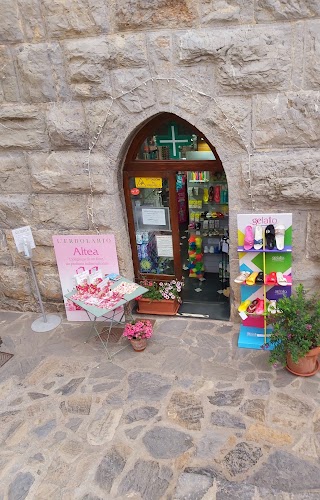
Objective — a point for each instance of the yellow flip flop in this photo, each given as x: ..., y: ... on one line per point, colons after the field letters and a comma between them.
x: 252, y: 279
x: 244, y: 305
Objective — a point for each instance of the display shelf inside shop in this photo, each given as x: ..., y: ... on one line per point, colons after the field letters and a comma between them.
x: 203, y: 180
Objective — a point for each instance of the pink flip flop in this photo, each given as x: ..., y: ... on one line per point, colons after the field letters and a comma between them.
x: 248, y: 238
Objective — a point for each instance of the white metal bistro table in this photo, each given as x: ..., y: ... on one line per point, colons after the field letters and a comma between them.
x: 100, y: 316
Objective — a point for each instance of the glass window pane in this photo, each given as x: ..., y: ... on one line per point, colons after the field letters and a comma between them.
x: 174, y: 141
x: 150, y: 205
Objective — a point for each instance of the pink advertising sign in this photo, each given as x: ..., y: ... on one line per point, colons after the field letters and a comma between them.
x: 78, y: 253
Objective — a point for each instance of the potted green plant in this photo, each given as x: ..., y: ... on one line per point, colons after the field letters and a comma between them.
x: 138, y: 331
x: 295, y: 337
x: 162, y: 297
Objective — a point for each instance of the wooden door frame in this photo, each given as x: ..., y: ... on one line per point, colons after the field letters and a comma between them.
x: 164, y: 169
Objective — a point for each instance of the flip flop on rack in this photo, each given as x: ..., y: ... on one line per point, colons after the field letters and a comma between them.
x: 272, y: 307
x: 258, y: 241
x: 248, y: 238
x: 271, y: 279
x: 279, y: 236
x: 282, y: 280
x: 260, y: 278
x: 252, y: 307
x: 242, y: 276
x: 270, y: 237
x: 252, y: 279
x: 260, y: 308
x: 243, y: 306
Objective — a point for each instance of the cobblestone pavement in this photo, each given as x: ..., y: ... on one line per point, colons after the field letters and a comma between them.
x: 192, y: 417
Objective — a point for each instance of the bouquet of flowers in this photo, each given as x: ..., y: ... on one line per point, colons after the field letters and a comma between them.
x: 163, y: 290
x: 138, y: 329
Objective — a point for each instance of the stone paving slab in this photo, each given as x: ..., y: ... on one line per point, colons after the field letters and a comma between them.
x: 192, y: 417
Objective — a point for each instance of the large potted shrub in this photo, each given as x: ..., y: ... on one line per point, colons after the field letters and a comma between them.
x: 161, y: 298
x: 295, y: 338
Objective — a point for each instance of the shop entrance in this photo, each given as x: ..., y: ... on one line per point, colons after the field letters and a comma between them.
x: 177, y: 204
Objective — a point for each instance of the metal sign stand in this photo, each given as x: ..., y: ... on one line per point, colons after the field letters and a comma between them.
x: 48, y: 321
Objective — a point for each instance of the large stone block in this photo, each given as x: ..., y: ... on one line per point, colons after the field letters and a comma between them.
x: 66, y: 126
x: 60, y: 211
x: 312, y: 56
x: 5, y: 257
x: 14, y: 283
x: 15, y: 210
x: 288, y: 10
x: 108, y: 212
x: 189, y: 102
x: 49, y: 283
x: 32, y: 21
x: 35, y: 73
x: 64, y: 172
x: 111, y: 115
x: 286, y: 120
x: 75, y: 18
x: 235, y: 12
x: 89, y: 61
x: 290, y: 178
x: 141, y: 97
x: 9, y: 90
x: 137, y: 14
x: 160, y: 53
x: 14, y: 173
x: 10, y: 22
x: 313, y: 236
x: 248, y: 59
x: 22, y: 126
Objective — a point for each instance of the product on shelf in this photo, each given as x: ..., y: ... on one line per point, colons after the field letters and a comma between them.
x: 196, y: 267
x: 248, y: 238
x: 251, y: 280
x: 270, y: 237
x: 258, y: 240
x: 208, y: 219
x: 280, y: 231
x: 242, y: 277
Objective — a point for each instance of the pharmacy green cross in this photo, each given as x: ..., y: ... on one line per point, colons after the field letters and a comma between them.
x: 173, y: 140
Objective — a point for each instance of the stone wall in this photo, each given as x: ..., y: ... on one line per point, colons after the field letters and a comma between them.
x: 247, y: 74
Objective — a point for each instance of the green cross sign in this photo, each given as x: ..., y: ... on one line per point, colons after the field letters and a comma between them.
x: 173, y: 140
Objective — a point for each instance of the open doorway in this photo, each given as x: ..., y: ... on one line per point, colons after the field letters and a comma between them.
x: 203, y: 215
x: 177, y: 203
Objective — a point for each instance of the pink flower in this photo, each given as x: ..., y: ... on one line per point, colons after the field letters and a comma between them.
x: 309, y: 327
x: 139, y: 329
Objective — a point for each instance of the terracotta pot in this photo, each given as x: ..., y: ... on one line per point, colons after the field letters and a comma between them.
x: 166, y: 307
x: 139, y: 344
x: 306, y: 366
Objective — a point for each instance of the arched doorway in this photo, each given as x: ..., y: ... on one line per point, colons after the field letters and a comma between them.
x: 176, y: 196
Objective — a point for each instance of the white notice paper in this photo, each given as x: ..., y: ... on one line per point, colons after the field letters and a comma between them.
x: 164, y: 245
x: 22, y: 236
x: 154, y: 216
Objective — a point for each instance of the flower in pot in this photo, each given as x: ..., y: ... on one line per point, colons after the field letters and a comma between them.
x: 296, y: 333
x: 138, y: 331
x: 162, y: 297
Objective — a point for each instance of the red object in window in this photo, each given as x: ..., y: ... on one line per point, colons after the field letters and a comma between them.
x: 135, y: 191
